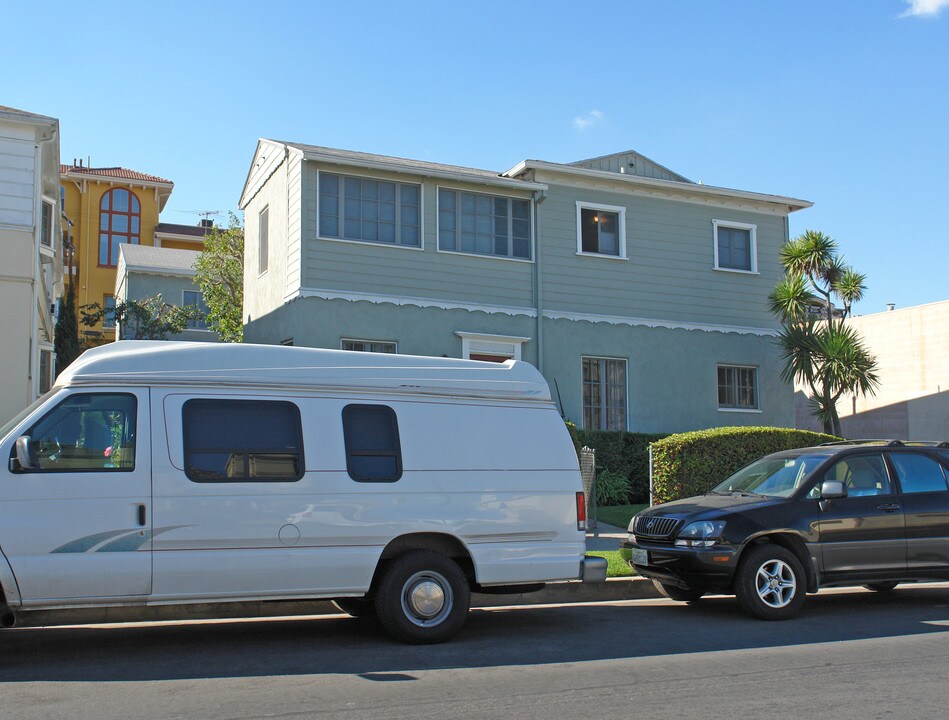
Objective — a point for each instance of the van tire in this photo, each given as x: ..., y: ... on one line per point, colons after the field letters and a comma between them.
x: 770, y: 583
x: 356, y: 607
x: 423, y: 597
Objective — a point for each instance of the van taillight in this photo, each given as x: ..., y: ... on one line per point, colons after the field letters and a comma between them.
x: 581, y: 512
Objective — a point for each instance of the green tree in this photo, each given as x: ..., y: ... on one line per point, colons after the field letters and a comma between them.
x: 148, y: 319
x: 219, y: 272
x: 819, y: 349
x: 66, y: 333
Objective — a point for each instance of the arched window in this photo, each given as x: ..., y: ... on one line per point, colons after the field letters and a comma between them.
x: 120, y: 219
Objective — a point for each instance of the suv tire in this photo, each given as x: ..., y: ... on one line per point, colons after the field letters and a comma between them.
x: 676, y: 593
x: 770, y: 583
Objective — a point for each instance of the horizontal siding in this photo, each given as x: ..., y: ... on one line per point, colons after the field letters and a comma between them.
x: 392, y: 271
x: 17, y: 182
x: 631, y: 164
x: 669, y: 273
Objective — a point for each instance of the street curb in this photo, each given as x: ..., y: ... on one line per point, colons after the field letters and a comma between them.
x: 558, y: 593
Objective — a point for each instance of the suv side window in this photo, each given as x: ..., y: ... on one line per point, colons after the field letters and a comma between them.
x: 862, y: 475
x: 918, y: 473
x: 86, y: 432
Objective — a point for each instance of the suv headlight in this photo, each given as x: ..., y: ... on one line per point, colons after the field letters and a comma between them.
x: 703, y: 533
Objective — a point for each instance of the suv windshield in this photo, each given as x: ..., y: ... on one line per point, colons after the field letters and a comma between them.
x: 772, y: 476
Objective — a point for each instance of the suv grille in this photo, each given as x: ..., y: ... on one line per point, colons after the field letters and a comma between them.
x: 655, y: 526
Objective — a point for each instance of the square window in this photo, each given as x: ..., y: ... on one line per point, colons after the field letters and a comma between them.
x: 489, y: 224
x: 737, y: 387
x: 735, y: 246
x: 601, y: 230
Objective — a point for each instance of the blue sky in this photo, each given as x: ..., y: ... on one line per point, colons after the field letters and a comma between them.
x: 844, y: 103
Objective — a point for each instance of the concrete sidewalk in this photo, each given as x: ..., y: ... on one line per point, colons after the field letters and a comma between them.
x: 605, y: 537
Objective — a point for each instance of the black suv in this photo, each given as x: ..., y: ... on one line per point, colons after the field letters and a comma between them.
x: 871, y: 513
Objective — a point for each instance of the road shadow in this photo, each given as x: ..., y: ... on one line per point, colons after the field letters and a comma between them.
x: 491, y: 638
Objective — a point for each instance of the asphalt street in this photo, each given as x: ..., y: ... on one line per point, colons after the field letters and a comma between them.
x: 850, y: 654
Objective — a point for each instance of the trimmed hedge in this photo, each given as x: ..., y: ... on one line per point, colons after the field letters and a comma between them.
x: 622, y: 453
x: 692, y: 463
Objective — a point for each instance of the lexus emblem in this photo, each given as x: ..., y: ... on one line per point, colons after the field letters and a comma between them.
x: 650, y: 524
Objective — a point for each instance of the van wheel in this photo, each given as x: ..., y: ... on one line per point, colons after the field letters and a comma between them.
x: 676, y: 593
x: 770, y: 582
x: 882, y: 587
x: 356, y: 607
x: 423, y: 598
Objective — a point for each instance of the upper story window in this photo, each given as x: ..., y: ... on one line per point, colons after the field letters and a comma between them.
x: 601, y: 230
x: 376, y: 346
x: 263, y: 240
x: 735, y: 246
x: 46, y: 229
x: 195, y: 298
x: 737, y: 387
x: 120, y: 219
x: 362, y: 209
x: 483, y: 224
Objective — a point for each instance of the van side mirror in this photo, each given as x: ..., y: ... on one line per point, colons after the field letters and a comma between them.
x: 26, y: 453
x: 832, y: 489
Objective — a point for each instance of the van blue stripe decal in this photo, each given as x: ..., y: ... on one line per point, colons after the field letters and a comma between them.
x: 130, y: 541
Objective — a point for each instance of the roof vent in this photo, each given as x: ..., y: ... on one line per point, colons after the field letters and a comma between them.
x: 890, y: 307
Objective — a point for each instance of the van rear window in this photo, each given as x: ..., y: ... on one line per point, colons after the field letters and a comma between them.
x: 373, y: 451
x: 242, y: 441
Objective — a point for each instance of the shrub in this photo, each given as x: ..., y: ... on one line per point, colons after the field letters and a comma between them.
x: 612, y: 488
x: 692, y: 463
x: 624, y: 453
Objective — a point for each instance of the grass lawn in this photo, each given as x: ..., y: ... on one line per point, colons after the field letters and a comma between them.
x: 618, y: 515
x: 616, y: 566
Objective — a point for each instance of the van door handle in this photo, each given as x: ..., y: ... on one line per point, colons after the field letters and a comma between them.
x: 888, y: 507
x: 141, y: 515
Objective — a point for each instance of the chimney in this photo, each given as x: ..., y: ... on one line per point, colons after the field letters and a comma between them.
x: 207, y: 223
x: 890, y: 307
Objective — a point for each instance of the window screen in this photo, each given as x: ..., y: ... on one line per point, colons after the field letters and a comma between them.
x: 242, y: 441
x: 371, y: 435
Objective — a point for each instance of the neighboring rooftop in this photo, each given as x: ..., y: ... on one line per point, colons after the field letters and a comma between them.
x: 158, y: 260
x: 197, y: 231
x: 116, y: 173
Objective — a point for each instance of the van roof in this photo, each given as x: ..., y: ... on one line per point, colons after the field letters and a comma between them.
x: 149, y: 362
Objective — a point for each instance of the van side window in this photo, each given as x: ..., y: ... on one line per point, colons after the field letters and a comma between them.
x: 86, y: 432
x: 242, y: 441
x: 371, y: 436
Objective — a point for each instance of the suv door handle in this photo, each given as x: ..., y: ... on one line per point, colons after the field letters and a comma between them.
x: 888, y: 507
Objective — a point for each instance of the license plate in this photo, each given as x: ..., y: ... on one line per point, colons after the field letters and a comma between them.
x: 640, y: 557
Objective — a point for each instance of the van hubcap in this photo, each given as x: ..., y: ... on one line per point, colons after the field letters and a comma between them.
x: 775, y: 583
x: 426, y: 598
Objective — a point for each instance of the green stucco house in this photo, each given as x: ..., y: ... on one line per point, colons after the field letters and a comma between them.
x: 639, y: 294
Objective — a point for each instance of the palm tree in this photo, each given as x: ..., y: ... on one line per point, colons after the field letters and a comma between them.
x: 819, y: 349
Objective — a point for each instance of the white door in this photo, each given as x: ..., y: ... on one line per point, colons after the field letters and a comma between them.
x: 76, y: 525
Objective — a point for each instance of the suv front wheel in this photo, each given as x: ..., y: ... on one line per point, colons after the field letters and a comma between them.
x: 770, y: 583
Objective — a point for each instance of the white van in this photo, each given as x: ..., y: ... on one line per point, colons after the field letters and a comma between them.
x: 175, y: 474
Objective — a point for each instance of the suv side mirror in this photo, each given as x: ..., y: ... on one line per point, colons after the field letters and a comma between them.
x: 26, y: 453
x: 831, y: 489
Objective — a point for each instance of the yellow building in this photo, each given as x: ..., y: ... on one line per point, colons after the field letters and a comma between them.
x: 106, y: 207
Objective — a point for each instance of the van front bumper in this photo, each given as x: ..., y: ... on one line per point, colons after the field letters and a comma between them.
x: 684, y: 567
x: 593, y: 569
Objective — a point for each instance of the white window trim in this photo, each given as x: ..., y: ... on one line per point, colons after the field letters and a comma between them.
x: 716, y: 224
x: 48, y: 250
x: 479, y: 343
x: 364, y: 340
x: 757, y: 370
x: 506, y: 258
x: 621, y: 211
x: 41, y: 347
x: 626, y: 392
x: 364, y: 243
x: 205, y: 329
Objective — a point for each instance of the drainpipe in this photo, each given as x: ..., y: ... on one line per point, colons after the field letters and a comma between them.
x: 539, y: 197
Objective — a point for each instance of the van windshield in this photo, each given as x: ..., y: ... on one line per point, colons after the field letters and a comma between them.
x: 20, y: 416
x: 772, y: 476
